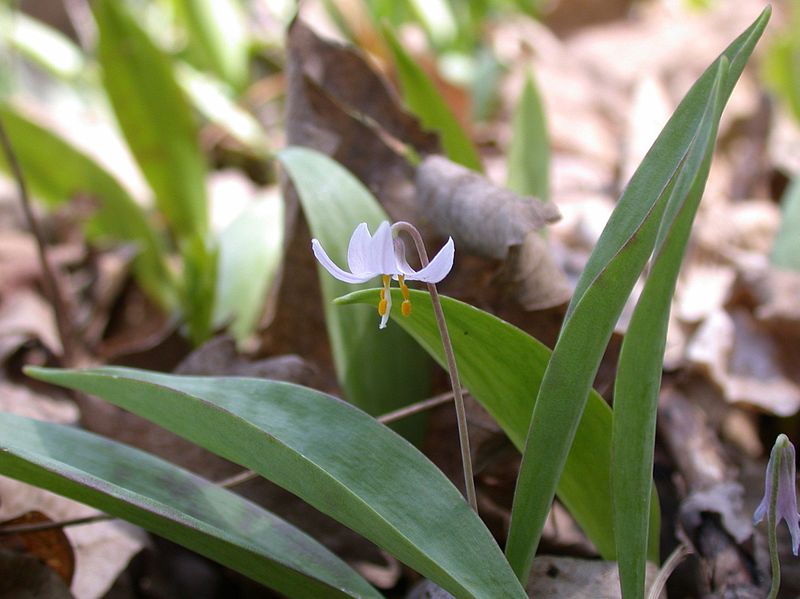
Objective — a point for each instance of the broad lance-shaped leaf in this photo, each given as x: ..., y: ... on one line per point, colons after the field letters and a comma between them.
x: 175, y: 504
x: 612, y: 270
x: 641, y: 358
x: 330, y: 454
x: 378, y: 370
x: 154, y: 117
x: 118, y: 216
x: 502, y: 367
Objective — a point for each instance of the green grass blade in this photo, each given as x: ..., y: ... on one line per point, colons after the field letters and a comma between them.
x: 427, y: 104
x: 640, y: 363
x: 218, y: 37
x: 330, y: 454
x: 529, y: 154
x: 176, y: 504
x: 378, y: 370
x: 786, y: 251
x: 154, y: 116
x: 612, y: 270
x: 57, y: 171
x: 47, y: 47
x: 502, y: 367
x: 214, y: 100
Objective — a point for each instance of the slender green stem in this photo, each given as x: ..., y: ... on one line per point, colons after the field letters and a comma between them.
x: 772, y: 531
x: 455, y: 383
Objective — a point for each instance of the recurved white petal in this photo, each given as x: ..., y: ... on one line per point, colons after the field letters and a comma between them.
x: 337, y: 272
x: 438, y: 268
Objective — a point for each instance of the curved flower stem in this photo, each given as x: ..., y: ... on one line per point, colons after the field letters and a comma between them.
x: 463, y: 433
x: 772, y: 531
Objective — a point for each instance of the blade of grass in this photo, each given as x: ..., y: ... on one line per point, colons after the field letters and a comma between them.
x: 612, y: 270
x: 529, y: 154
x: 218, y: 37
x: 426, y: 102
x: 154, y: 116
x: 640, y: 363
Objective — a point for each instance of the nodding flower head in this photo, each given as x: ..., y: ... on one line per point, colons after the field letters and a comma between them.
x: 369, y: 256
x: 781, y: 480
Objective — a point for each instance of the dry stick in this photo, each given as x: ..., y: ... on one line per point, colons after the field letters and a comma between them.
x: 675, y: 558
x: 461, y: 415
x: 18, y: 529
x: 48, y: 278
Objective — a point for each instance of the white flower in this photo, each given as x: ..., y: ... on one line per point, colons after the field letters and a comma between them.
x: 370, y: 256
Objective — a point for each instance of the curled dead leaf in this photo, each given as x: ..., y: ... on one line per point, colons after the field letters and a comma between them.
x: 482, y: 218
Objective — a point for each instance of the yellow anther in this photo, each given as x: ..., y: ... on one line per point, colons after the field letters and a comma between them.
x: 383, y: 293
x: 382, y: 305
x: 403, y: 287
x: 405, y: 307
x: 386, y: 280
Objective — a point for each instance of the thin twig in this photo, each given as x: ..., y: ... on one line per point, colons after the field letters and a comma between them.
x: 461, y: 414
x: 19, y: 529
x: 415, y: 408
x: 49, y: 279
x: 675, y: 558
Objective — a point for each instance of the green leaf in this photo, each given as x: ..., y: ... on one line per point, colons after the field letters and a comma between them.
x: 215, y: 101
x: 781, y: 64
x: 218, y: 37
x: 42, y: 44
x: 426, y: 102
x: 56, y: 172
x: 250, y: 252
x: 198, y: 292
x: 612, y: 270
x: 640, y: 363
x: 154, y: 117
x: 330, y: 454
x: 529, y: 154
x: 176, y: 504
x: 378, y: 370
x: 502, y: 367
x: 786, y: 250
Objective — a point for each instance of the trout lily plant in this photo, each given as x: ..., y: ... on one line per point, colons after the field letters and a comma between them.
x: 340, y: 459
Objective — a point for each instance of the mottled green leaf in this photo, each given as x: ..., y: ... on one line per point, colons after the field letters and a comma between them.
x: 330, y: 454
x: 174, y: 504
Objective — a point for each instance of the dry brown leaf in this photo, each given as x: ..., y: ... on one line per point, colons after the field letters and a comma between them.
x: 339, y: 105
x: 483, y: 218
x: 25, y: 316
x: 50, y: 545
x: 24, y: 576
x: 745, y: 362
